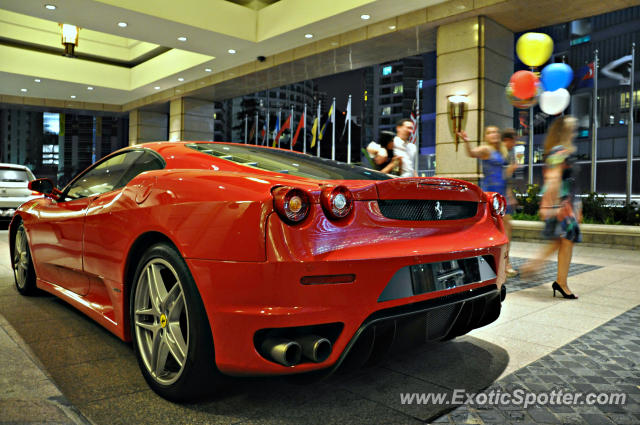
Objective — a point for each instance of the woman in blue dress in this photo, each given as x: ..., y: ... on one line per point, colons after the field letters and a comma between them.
x: 495, y: 168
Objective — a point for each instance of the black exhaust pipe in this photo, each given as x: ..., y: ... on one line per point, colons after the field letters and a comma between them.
x: 315, y: 348
x: 283, y: 351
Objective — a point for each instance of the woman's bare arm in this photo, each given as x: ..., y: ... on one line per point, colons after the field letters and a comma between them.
x: 481, y: 152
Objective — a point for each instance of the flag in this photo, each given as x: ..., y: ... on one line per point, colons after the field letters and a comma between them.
x: 414, y: 120
x: 619, y: 69
x: 295, y: 138
x: 253, y: 130
x: 276, y: 129
x: 287, y: 124
x: 584, y: 76
x: 263, y: 134
x: 347, y: 118
x: 314, y: 131
x: 324, y: 127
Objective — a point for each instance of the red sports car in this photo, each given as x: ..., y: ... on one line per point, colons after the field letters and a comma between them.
x: 244, y: 260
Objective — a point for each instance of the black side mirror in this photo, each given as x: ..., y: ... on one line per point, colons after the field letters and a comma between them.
x: 44, y: 186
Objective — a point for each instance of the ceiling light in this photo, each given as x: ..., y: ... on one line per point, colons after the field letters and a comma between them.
x: 157, y: 87
x: 73, y: 96
x: 392, y: 27
x: 180, y: 79
x: 182, y: 38
x: 365, y: 17
x: 37, y: 80
x: 232, y: 51
x: 308, y: 36
x: 122, y: 24
x: 23, y: 90
x: 89, y: 88
x: 207, y: 70
x: 50, y: 6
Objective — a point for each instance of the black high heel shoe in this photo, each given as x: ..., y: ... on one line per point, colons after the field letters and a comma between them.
x: 557, y: 287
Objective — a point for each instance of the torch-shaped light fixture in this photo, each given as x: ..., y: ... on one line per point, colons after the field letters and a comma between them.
x: 457, y: 105
x: 69, y: 38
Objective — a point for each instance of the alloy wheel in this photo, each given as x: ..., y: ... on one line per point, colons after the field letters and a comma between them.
x: 21, y: 259
x: 161, y: 321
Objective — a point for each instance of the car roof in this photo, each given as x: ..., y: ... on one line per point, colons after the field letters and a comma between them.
x: 16, y: 166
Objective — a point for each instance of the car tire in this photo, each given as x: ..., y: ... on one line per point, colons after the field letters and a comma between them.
x: 23, y: 272
x: 171, y: 334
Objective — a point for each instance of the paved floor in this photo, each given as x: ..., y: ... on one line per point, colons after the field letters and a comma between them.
x: 78, y: 372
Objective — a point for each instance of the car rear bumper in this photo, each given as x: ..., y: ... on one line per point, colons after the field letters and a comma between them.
x: 243, y: 300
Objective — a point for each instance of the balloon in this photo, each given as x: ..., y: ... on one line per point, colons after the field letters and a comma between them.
x: 554, y: 102
x: 524, y: 84
x: 534, y: 48
x: 556, y: 76
x: 522, y: 103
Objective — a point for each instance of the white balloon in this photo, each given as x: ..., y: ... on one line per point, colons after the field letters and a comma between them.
x: 554, y: 102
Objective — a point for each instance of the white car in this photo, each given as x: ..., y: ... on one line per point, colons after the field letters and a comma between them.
x: 14, y: 190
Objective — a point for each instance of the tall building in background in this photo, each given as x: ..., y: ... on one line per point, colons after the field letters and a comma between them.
x: 281, y: 98
x: 21, y: 134
x: 391, y: 93
x: 221, y: 120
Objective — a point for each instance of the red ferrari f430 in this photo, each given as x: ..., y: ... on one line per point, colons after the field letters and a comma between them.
x: 219, y: 258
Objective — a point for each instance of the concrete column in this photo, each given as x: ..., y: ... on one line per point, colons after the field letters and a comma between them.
x: 475, y: 58
x: 147, y: 126
x: 191, y: 119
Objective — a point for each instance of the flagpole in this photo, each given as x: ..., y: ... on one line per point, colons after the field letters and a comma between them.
x: 246, y: 124
x: 291, y: 129
x: 333, y: 130
x: 266, y: 134
x: 594, y: 131
x: 279, y: 123
x: 318, y: 131
x: 257, y: 125
x: 417, y: 129
x: 630, y: 128
x: 349, y: 132
x: 304, y: 129
x: 530, y: 171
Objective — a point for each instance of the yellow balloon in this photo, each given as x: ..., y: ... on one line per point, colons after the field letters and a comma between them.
x: 534, y: 48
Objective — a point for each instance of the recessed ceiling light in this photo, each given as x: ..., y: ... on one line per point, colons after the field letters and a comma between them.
x: 50, y: 6
x: 308, y: 36
x: 122, y: 24
x: 207, y: 70
x: 232, y: 51
x: 37, y: 80
x: 23, y: 90
x: 392, y: 27
x: 182, y: 38
x: 157, y: 87
x: 180, y: 79
x: 365, y: 17
x: 89, y: 88
x: 73, y: 96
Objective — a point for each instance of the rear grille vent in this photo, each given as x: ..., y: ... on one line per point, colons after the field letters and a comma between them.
x: 419, y: 210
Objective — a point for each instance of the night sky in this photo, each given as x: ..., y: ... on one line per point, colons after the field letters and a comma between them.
x: 341, y: 86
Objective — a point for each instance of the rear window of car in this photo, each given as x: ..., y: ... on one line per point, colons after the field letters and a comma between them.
x: 285, y: 162
x: 14, y: 175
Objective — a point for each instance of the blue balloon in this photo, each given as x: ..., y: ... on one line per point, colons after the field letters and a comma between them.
x: 556, y: 76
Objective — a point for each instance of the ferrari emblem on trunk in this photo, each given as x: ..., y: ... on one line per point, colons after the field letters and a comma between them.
x: 439, y: 210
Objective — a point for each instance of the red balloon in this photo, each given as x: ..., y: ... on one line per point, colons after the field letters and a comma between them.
x: 524, y: 84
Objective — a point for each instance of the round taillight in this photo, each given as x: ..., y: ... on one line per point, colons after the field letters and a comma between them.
x: 337, y: 202
x: 498, y: 204
x: 291, y: 204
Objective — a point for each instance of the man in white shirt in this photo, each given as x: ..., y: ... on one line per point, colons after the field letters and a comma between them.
x: 404, y: 149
